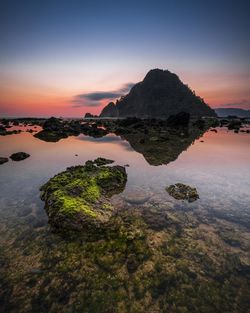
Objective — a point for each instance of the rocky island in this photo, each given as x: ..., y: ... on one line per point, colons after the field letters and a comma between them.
x: 159, y: 95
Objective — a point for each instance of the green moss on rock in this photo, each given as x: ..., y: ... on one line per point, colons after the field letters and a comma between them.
x: 183, y: 192
x: 79, y: 198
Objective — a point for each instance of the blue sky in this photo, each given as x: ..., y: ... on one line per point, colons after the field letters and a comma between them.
x: 52, y: 51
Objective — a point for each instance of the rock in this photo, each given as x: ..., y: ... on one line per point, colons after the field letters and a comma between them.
x: 53, y: 124
x: 93, y: 131
x: 159, y: 95
x: 102, y: 161
x: 5, y: 132
x: 157, y: 219
x: 2, y: 130
x: 136, y: 196
x: 89, y: 115
x: 234, y: 125
x: 78, y: 199
x: 3, y: 160
x: 183, y: 192
x: 179, y: 120
x: 50, y: 136
x: 19, y: 156
x: 54, y: 129
x: 200, y: 123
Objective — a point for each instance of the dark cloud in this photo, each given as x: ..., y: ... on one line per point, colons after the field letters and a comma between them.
x: 93, y: 99
x: 78, y: 102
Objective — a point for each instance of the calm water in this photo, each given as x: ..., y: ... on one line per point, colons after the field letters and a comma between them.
x: 218, y: 165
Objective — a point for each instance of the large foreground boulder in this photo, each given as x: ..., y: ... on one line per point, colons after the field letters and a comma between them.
x: 78, y: 199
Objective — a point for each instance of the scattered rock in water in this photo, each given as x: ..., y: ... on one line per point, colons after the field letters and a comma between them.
x: 183, y: 192
x: 50, y: 136
x: 3, y: 160
x: 234, y: 125
x: 79, y: 198
x: 5, y: 132
x: 56, y: 129
x: 19, y: 156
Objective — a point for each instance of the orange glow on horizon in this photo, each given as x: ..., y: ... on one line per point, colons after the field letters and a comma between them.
x: 21, y: 98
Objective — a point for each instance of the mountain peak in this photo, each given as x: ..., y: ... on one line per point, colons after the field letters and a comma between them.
x: 159, y: 95
x: 158, y: 73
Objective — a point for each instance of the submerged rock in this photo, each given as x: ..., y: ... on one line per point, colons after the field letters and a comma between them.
x: 79, y: 198
x: 136, y: 196
x: 183, y: 192
x: 19, y: 156
x: 3, y: 160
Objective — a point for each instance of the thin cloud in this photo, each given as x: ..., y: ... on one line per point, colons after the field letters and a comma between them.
x: 93, y: 99
x: 77, y: 103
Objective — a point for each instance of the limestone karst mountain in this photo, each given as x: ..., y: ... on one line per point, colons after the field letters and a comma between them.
x: 159, y: 95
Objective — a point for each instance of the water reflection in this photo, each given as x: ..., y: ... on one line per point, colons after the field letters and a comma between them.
x: 180, y: 253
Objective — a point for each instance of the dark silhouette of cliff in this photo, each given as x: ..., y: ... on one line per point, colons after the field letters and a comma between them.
x: 159, y: 95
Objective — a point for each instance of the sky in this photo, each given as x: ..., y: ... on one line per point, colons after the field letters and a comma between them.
x: 66, y: 58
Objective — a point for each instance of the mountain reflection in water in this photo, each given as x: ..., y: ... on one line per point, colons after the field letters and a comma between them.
x: 177, y: 256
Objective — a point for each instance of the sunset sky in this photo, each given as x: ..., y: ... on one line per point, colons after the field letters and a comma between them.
x: 66, y: 58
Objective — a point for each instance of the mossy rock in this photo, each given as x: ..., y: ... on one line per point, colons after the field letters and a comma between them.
x: 79, y: 198
x: 183, y: 192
